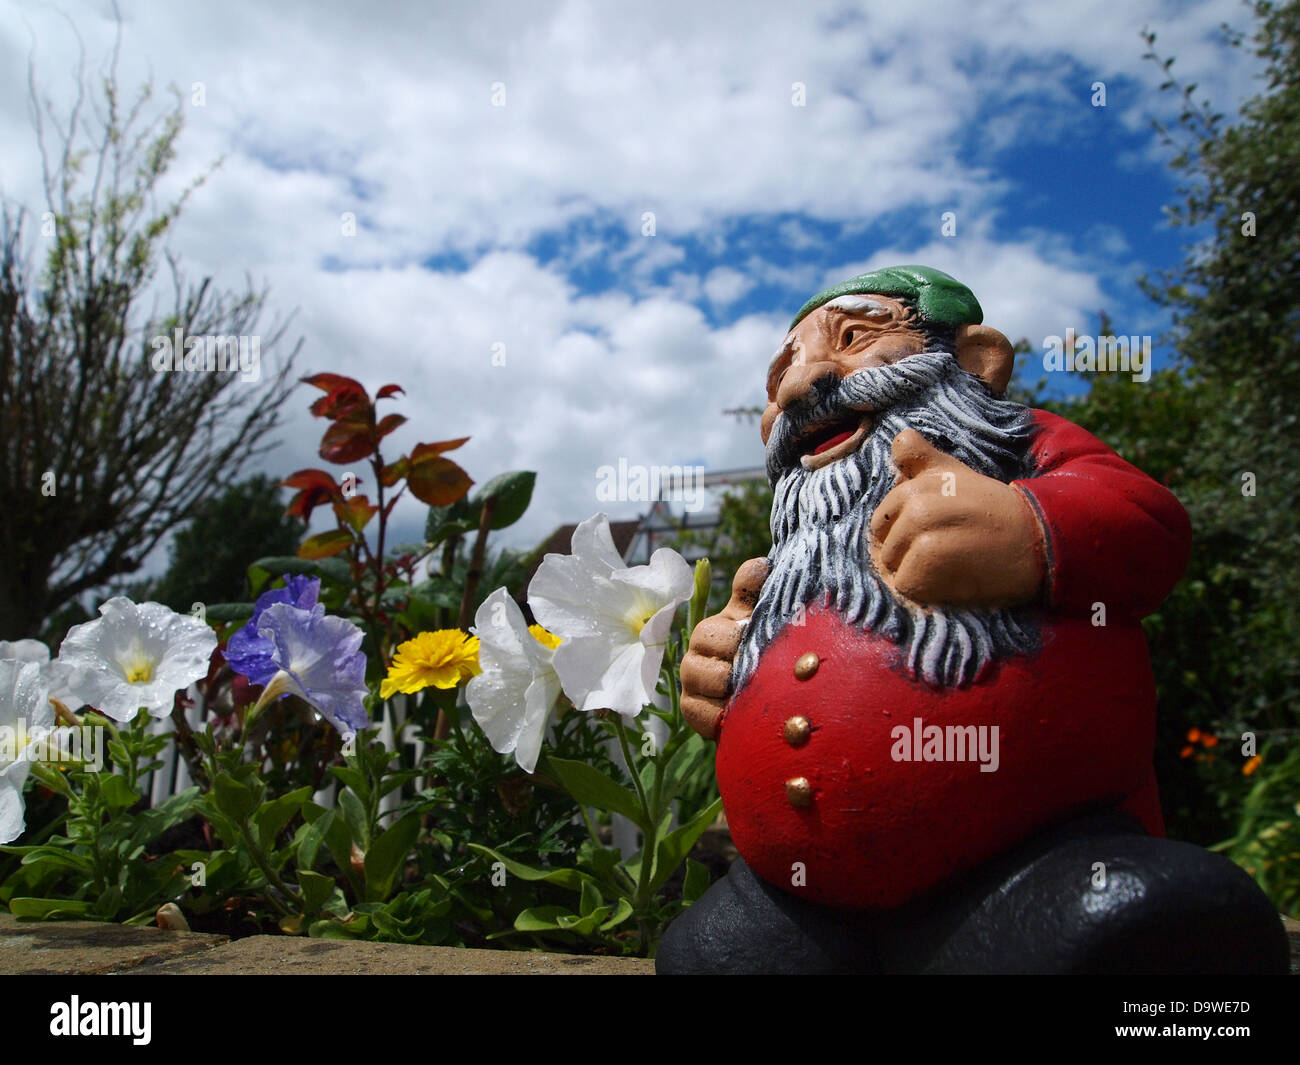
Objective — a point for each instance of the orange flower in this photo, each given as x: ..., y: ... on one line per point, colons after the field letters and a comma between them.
x: 1186, y: 752
x: 1193, y: 735
x: 1253, y: 764
x: 1210, y: 740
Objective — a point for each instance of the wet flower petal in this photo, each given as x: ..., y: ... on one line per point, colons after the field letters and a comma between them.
x: 511, y: 699
x: 25, y: 713
x: 319, y: 659
x: 249, y: 654
x: 614, y: 620
x: 135, y: 655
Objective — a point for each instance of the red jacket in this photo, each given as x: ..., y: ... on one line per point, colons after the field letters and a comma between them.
x: 1076, y: 721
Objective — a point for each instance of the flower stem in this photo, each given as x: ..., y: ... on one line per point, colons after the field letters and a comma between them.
x: 631, y: 766
x: 641, y: 898
x: 273, y: 878
x: 108, y: 724
x: 674, y: 685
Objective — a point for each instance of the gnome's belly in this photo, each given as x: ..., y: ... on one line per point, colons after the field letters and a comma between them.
x: 883, y: 790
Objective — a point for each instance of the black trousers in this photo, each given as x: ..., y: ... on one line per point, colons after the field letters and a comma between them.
x: 1048, y: 906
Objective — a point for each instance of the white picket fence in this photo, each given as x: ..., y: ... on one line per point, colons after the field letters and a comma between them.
x: 174, y: 776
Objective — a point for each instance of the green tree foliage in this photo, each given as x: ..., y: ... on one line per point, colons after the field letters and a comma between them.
x: 1236, y: 302
x: 211, y: 553
x: 101, y: 455
x: 1220, y: 429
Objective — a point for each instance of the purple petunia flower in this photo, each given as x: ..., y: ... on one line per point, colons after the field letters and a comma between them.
x: 318, y: 659
x: 250, y: 654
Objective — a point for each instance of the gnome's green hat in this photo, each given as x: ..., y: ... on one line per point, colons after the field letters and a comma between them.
x: 939, y: 299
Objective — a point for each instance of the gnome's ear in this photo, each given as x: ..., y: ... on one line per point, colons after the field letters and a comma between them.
x: 986, y: 353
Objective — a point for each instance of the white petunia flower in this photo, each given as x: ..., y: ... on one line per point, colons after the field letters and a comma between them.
x: 57, y: 675
x: 614, y: 621
x: 135, y: 655
x: 512, y: 697
x: 25, y: 714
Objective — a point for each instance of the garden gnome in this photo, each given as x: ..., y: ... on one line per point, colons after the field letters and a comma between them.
x: 933, y: 703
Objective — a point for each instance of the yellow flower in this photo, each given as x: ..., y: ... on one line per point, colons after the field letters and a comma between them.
x: 444, y: 659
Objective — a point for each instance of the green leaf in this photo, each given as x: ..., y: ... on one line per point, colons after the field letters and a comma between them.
x: 572, y: 879
x: 355, y: 815
x: 226, y: 612
x: 542, y: 918
x: 621, y: 913
x: 512, y: 492
x: 602, y: 861
x: 150, y: 824
x: 233, y: 799
x: 351, y: 778
x: 332, y: 929
x: 590, y: 787
x: 334, y: 829
x: 450, y: 529
x: 697, y: 881
x: 117, y: 792
x: 316, y: 889
x: 275, y: 814
x: 440, y: 517
x: 590, y: 899
x: 273, y: 567
x: 387, y: 857
x: 326, y: 544
x: 586, y: 926
x: 310, y: 836
x: 54, y: 856
x: 47, y: 908
x: 558, y: 919
x: 674, y: 847
x: 224, y: 826
x: 334, y: 569
x: 684, y: 761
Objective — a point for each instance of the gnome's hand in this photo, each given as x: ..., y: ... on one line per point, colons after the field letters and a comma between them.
x: 947, y: 535
x: 706, y: 667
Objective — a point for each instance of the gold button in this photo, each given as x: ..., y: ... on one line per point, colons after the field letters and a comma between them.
x: 798, y: 791
x: 797, y: 731
x: 806, y: 665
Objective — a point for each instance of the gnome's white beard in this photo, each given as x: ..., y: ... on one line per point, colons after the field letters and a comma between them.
x: 821, y: 518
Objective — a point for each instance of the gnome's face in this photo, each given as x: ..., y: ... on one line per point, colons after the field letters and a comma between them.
x: 850, y: 333
x: 852, y: 375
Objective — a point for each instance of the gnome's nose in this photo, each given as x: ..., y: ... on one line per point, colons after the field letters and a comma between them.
x: 799, y: 382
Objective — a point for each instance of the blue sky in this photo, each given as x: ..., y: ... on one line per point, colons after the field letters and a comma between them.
x: 521, y: 225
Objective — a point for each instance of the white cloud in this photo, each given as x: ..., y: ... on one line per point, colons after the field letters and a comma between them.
x: 724, y: 286
x: 679, y: 108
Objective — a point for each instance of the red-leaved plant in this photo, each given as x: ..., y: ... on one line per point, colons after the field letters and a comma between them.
x: 355, y: 434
